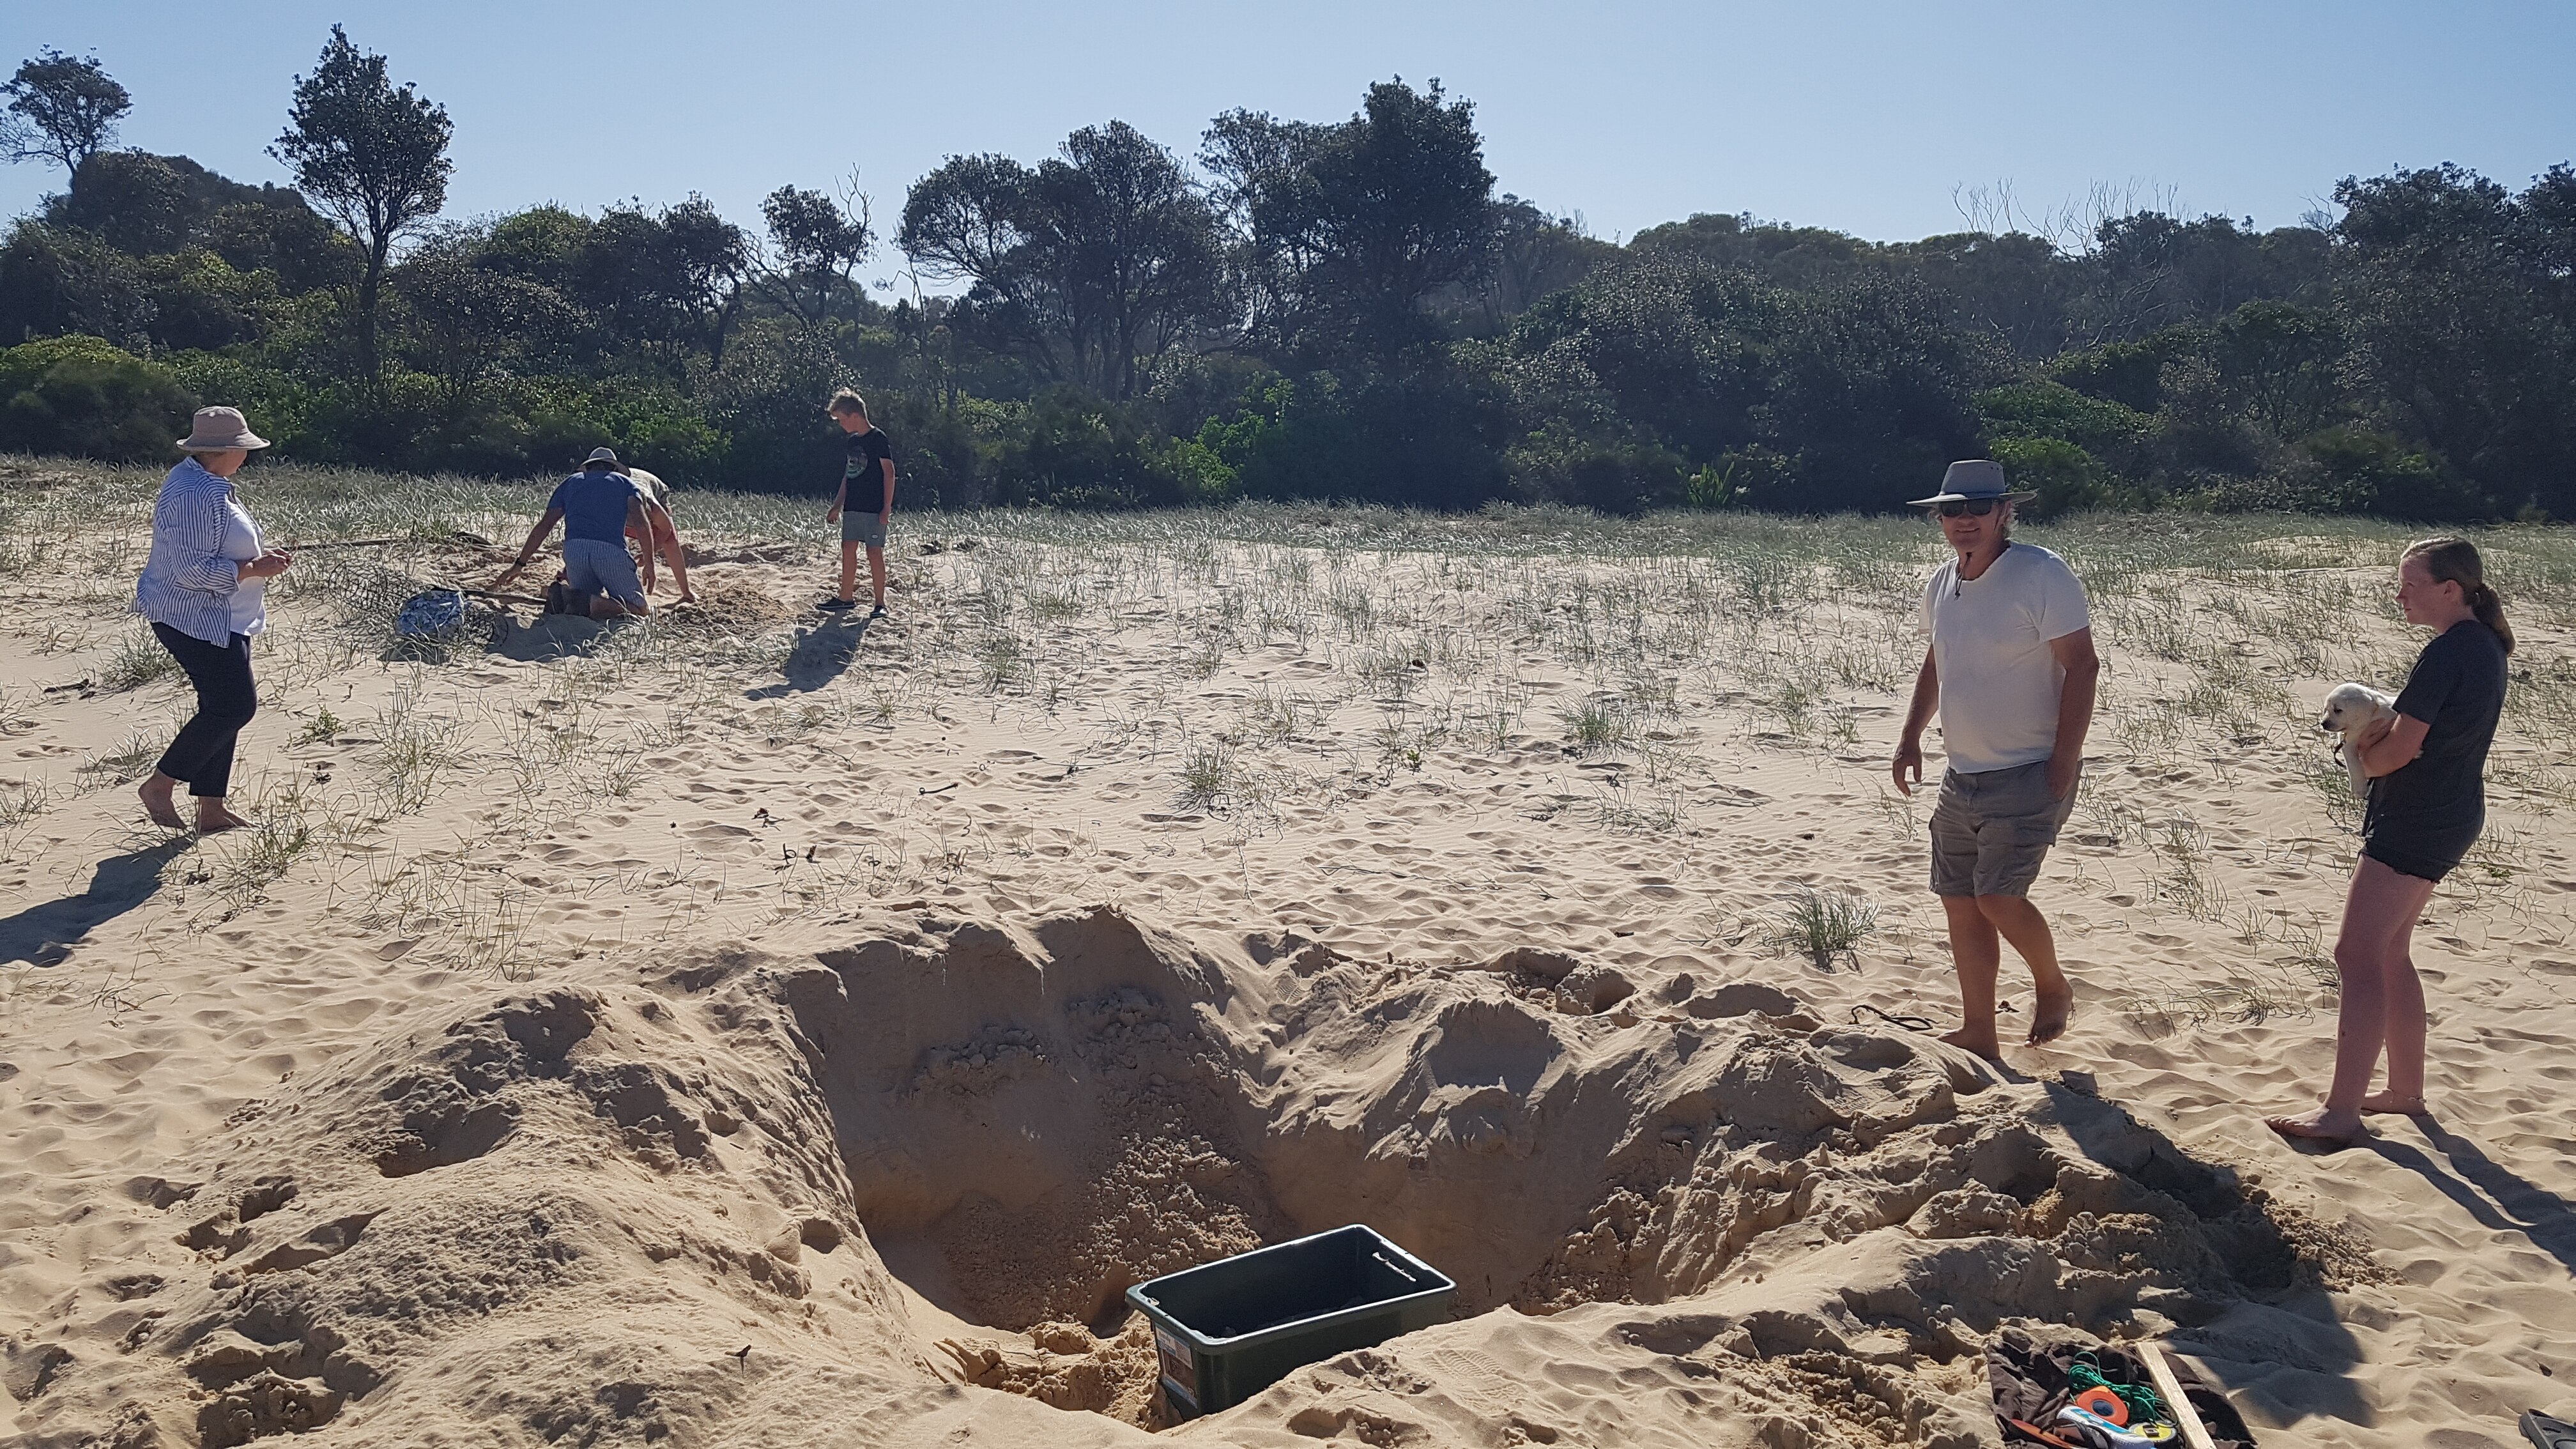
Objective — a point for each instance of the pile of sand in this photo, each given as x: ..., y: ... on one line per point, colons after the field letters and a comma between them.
x: 764, y: 1194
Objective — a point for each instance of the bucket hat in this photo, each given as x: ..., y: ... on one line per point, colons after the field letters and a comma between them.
x: 1972, y: 478
x: 601, y: 455
x: 217, y: 430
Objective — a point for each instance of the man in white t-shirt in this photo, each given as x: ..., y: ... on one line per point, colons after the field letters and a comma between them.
x: 2011, y: 672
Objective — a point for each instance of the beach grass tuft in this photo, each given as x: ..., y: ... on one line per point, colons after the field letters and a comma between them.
x: 1823, y: 925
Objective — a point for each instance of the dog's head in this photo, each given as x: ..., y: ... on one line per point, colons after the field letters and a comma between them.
x: 2350, y: 706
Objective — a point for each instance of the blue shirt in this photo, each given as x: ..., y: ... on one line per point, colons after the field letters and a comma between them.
x: 594, y: 505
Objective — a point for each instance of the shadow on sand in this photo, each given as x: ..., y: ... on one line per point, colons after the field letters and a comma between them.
x: 2488, y: 1191
x: 551, y: 636
x: 820, y: 655
x: 45, y: 934
x: 2280, y: 1345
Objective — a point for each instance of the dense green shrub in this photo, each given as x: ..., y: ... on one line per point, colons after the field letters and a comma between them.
x: 55, y: 281
x: 1609, y: 477
x: 1068, y: 448
x: 1431, y: 435
x: 2048, y: 409
x: 2367, y: 472
x: 2126, y: 373
x: 2065, y: 477
x: 278, y: 405
x: 80, y: 395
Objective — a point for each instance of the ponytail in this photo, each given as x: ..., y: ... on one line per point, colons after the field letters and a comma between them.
x: 2455, y: 560
x: 2490, y: 612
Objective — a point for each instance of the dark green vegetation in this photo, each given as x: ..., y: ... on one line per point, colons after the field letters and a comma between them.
x: 1301, y: 310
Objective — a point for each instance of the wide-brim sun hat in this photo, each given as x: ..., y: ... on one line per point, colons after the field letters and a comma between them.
x: 1971, y: 479
x: 220, y: 430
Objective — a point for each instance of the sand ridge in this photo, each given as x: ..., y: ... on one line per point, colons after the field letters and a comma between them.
x: 455, y: 1225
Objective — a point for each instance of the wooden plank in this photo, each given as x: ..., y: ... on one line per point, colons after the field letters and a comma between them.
x: 2186, y: 1419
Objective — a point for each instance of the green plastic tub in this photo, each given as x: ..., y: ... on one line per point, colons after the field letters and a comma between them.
x: 1226, y: 1330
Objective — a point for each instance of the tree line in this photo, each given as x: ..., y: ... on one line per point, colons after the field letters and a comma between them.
x: 1293, y: 309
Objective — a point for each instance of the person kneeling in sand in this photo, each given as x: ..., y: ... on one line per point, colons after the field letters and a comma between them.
x: 598, y: 507
x: 2011, y: 672
x: 664, y: 535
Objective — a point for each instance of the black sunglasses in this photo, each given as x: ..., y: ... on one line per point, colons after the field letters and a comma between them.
x: 1972, y: 507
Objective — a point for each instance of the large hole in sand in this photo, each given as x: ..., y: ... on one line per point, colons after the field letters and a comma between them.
x: 1033, y: 1121
x: 1033, y: 1124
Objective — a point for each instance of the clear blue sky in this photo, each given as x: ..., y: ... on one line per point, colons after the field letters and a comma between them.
x: 1865, y: 117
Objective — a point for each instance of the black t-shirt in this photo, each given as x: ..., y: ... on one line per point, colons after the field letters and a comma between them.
x: 2458, y: 690
x: 861, y: 476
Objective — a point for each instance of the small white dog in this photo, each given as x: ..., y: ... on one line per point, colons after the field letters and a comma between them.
x: 2349, y: 707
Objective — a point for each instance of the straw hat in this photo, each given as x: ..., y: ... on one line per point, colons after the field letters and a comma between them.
x: 1970, y: 479
x: 220, y: 430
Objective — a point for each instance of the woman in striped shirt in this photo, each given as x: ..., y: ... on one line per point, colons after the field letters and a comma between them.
x: 204, y: 590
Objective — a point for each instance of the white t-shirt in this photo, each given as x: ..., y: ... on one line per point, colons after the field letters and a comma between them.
x: 248, y: 602
x: 1990, y: 638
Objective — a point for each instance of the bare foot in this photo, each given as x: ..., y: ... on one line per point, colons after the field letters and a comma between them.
x: 2049, y: 1015
x: 2322, y: 1125
x: 214, y: 819
x: 2393, y: 1103
x: 1983, y: 1043
x: 155, y: 795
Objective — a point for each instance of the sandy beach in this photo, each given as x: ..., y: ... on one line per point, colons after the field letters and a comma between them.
x: 754, y: 1027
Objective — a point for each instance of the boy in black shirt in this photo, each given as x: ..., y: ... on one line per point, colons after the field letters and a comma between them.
x: 866, y: 500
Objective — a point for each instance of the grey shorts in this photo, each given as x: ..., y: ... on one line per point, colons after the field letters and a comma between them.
x: 1991, y: 830
x: 602, y: 568
x: 868, y: 528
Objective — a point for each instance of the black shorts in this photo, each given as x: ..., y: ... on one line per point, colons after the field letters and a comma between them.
x: 2423, y: 850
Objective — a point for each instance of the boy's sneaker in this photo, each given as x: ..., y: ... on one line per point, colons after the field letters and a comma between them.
x: 836, y: 606
x: 878, y: 612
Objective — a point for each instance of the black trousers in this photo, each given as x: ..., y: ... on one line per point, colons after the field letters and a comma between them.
x: 202, y: 755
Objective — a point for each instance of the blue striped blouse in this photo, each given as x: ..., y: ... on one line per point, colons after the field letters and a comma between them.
x: 188, y: 581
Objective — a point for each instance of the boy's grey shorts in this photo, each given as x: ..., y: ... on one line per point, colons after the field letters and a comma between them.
x: 1991, y: 830
x: 868, y: 528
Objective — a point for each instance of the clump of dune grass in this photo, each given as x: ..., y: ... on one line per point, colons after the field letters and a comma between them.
x: 1003, y: 659
x: 127, y: 760
x: 137, y: 660
x: 322, y: 727
x: 256, y: 857
x: 1207, y: 777
x: 2244, y: 996
x: 1596, y: 725
x: 1823, y: 925
x: 413, y: 751
x: 22, y: 801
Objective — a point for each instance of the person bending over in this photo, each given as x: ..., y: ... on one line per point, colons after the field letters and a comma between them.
x: 598, y: 507
x: 664, y: 538
x: 2011, y: 672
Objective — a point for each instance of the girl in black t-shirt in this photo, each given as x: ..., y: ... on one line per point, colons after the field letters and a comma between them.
x: 2427, y: 805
